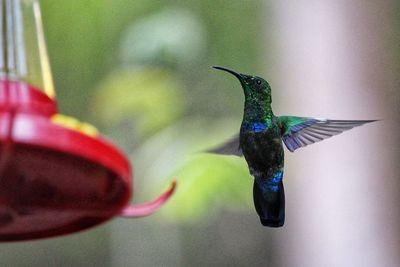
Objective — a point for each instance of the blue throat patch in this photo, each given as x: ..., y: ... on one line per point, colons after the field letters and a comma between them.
x: 256, y: 127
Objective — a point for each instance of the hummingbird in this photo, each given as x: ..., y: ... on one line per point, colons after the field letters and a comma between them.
x: 261, y: 139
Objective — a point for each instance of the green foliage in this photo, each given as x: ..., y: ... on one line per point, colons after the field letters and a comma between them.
x: 207, y: 183
x: 150, y: 98
x: 171, y: 37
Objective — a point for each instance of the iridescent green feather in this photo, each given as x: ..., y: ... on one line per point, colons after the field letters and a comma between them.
x: 286, y: 122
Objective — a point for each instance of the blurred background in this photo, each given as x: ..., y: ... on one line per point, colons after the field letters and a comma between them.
x: 140, y: 71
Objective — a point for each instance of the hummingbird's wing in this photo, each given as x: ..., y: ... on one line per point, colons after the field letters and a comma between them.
x: 300, y: 131
x: 231, y: 147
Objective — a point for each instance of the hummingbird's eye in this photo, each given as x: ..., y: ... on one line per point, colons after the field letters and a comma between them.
x: 258, y: 82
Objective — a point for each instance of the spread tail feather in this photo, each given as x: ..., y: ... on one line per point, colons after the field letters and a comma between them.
x: 270, y: 205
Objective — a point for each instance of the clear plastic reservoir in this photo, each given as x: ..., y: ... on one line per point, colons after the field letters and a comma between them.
x: 23, y: 52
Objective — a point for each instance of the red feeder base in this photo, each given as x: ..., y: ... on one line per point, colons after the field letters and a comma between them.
x: 54, y: 180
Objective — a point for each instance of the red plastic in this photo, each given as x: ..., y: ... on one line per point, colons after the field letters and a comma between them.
x: 55, y: 180
x: 148, y: 208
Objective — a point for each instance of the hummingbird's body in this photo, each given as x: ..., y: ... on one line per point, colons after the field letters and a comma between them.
x: 263, y: 151
x: 260, y: 142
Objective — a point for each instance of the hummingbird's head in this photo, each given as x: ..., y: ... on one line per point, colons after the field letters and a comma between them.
x: 255, y: 88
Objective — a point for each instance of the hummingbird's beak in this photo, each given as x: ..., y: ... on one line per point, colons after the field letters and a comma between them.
x: 237, y: 75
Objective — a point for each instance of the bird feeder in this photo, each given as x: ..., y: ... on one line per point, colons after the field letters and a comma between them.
x: 57, y: 175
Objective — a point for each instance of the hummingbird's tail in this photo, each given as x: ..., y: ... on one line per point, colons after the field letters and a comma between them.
x: 270, y: 204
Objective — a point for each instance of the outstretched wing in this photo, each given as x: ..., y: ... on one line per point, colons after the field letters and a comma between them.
x: 231, y: 147
x: 299, y: 131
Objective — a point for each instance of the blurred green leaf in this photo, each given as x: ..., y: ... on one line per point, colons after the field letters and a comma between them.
x: 207, y: 183
x: 171, y: 37
x: 149, y: 98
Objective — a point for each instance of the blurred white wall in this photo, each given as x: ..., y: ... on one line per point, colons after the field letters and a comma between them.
x: 336, y: 59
